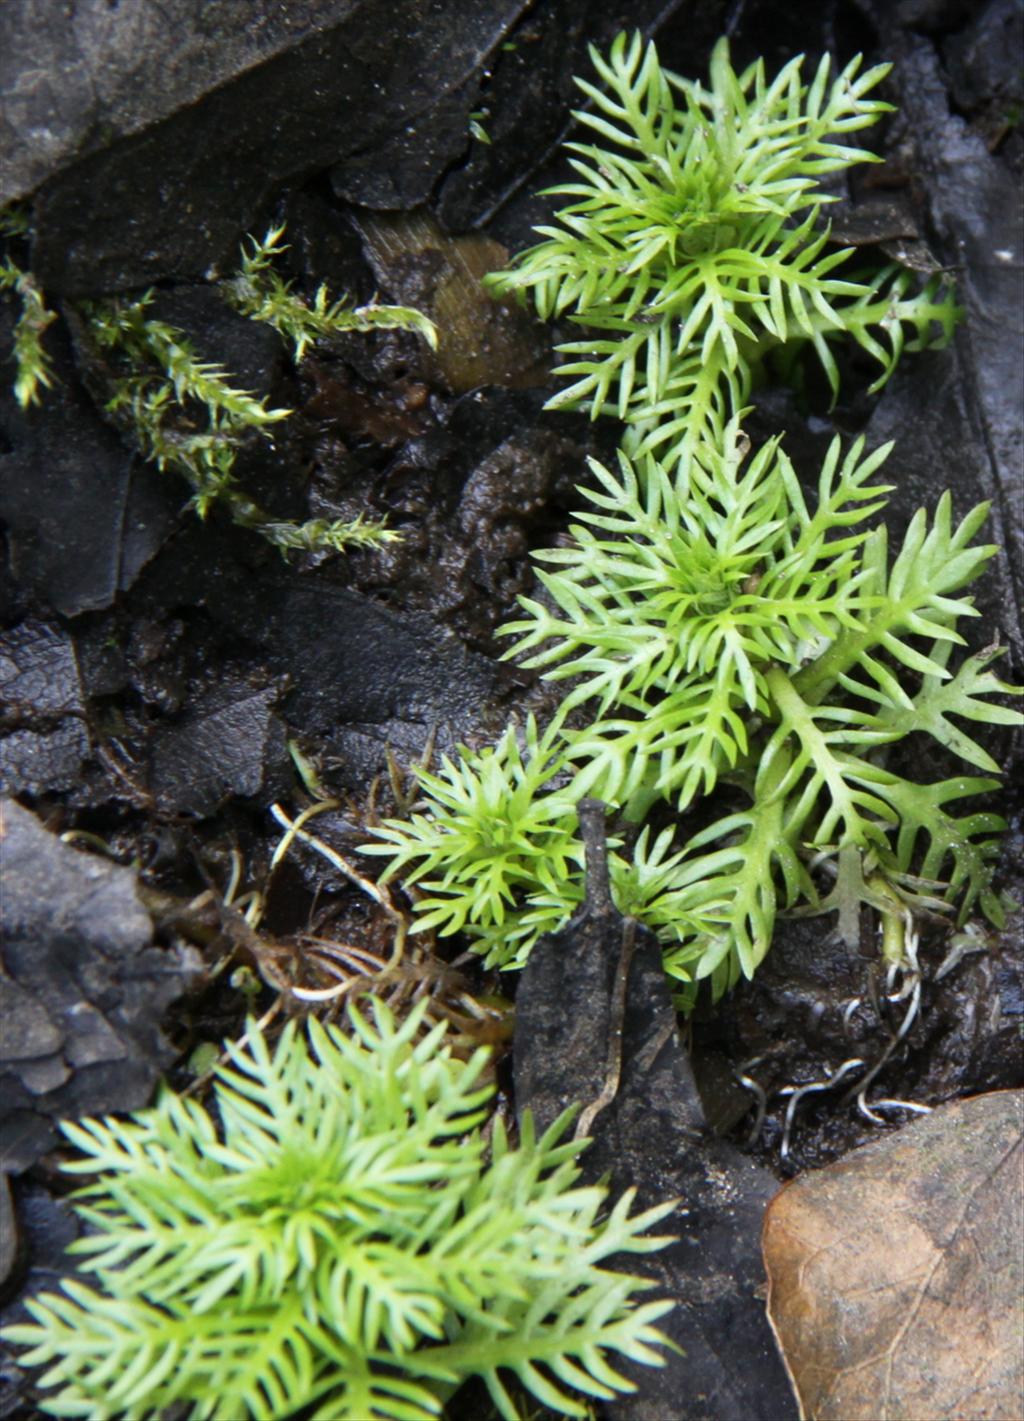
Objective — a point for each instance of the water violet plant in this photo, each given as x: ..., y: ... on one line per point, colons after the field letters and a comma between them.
x: 719, y: 630
x: 695, y: 244
x: 339, y: 1236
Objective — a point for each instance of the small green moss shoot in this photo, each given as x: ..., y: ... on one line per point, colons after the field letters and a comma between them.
x: 33, y: 368
x: 260, y: 292
x: 166, y: 389
x: 187, y: 415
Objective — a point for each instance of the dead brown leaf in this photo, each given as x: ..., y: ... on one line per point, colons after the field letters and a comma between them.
x: 896, y: 1276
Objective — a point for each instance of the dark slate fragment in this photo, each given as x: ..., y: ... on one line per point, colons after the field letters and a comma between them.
x: 957, y: 415
x: 345, y: 657
x: 75, y: 83
x: 651, y: 1135
x: 84, y: 515
x: 175, y: 197
x: 931, y: 16
x: 228, y: 743
x: 352, y: 660
x: 39, y: 762
x: 8, y: 1231
x: 30, y: 1033
x: 400, y: 172
x: 38, y: 674
x: 83, y: 990
x: 42, y: 711
x: 973, y: 1016
x: 984, y: 60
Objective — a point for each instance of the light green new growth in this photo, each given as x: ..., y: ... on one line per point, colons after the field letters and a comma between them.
x: 261, y: 293
x: 32, y: 364
x: 491, y: 835
x: 694, y: 243
x: 734, y: 633
x: 496, y: 855
x: 717, y: 628
x: 342, y: 1239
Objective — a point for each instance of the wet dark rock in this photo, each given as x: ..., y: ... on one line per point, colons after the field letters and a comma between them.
x: 48, y: 1226
x: 933, y: 16
x: 763, y: 28
x: 595, y: 1025
x: 8, y: 1231
x: 84, y: 515
x: 82, y: 991
x: 482, y: 545
x: 74, y: 86
x: 34, y: 762
x: 230, y: 742
x: 351, y: 660
x: 38, y: 674
x: 100, y: 654
x: 983, y: 61
x: 488, y: 482
x: 816, y: 1004
x: 972, y: 1017
x: 46, y: 739
x: 401, y: 170
x: 29, y: 1030
x: 173, y: 197
x: 957, y: 415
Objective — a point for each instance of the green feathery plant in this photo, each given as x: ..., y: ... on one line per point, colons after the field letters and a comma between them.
x: 491, y: 834
x: 33, y: 370
x: 732, y: 632
x: 497, y: 857
x: 694, y: 243
x: 717, y: 628
x: 343, y: 1239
